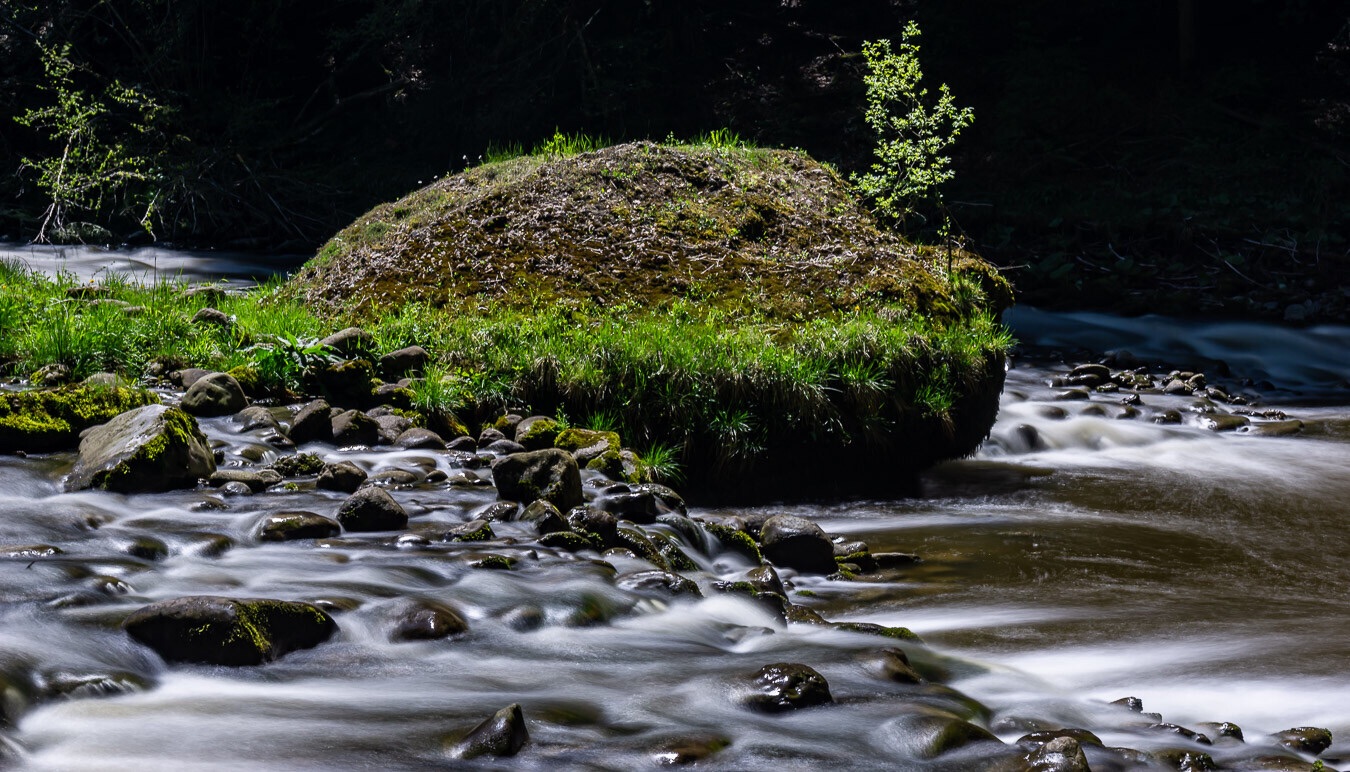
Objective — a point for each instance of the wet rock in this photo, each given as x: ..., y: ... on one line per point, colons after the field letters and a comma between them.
x: 489, y: 436
x: 344, y: 476
x: 1304, y: 739
x: 501, y: 735
x: 257, y: 480
x: 209, y: 545
x: 213, y: 395
x: 420, y: 619
x: 1062, y: 754
x: 785, y: 686
x: 493, y: 563
x: 419, y: 439
x: 523, y: 619
x: 393, y: 478
x: 893, y: 665
x: 594, y: 523
x: 226, y: 631
x: 1225, y: 730
x: 353, y: 427
x: 299, y: 465
x: 1179, y: 387
x: 350, y: 342
x: 569, y: 541
x: 1132, y: 704
x: 1035, y: 740
x: 474, y: 530
x: 890, y: 560
x: 659, y: 584
x: 550, y: 474
x: 1167, y: 417
x: 928, y: 733
x: 1222, y: 422
x: 505, y: 447
x: 147, y: 548
x: 314, y: 423
x: 804, y: 615
x: 1073, y: 395
x: 544, y: 517
x: 1185, y: 760
x: 397, y: 364
x: 501, y: 511
x: 688, y: 749
x: 462, y: 444
x: 256, y: 417
x: 293, y: 526
x: 885, y: 631
x: 389, y: 427
x: 537, y: 432
x: 153, y: 448
x: 63, y: 684
x: 1181, y: 731
x: 765, y: 579
x: 796, y: 542
x: 372, y: 509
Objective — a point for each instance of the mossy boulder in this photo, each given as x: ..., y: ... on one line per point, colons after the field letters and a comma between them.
x: 152, y: 448
x: 40, y: 421
x: 732, y: 224
x: 226, y: 631
x: 620, y: 261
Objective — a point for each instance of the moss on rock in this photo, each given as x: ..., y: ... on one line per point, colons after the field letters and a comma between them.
x: 47, y: 420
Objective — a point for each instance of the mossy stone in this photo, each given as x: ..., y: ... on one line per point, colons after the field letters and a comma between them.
x: 40, y: 421
x: 226, y: 631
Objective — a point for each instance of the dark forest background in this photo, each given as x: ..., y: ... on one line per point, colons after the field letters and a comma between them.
x: 1125, y: 152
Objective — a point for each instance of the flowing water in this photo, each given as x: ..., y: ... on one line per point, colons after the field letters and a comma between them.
x: 1078, y: 558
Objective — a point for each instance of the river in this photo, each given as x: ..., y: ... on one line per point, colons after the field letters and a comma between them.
x: 1078, y: 558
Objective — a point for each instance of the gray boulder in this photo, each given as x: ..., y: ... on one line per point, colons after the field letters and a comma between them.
x: 314, y: 423
x: 372, y: 509
x: 796, y: 542
x: 397, y: 364
x: 152, y: 448
x: 226, y: 631
x: 550, y: 474
x: 215, y: 394
x: 352, y: 427
x: 344, y: 477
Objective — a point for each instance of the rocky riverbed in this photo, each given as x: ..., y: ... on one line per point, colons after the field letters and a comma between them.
x: 332, y: 586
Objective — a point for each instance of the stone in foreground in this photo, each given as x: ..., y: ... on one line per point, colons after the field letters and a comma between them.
x: 153, y: 448
x: 212, y: 630
x: 502, y: 734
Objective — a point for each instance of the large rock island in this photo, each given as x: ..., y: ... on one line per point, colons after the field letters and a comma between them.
x: 737, y: 308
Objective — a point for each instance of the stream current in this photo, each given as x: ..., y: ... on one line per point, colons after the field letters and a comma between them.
x: 1076, y: 559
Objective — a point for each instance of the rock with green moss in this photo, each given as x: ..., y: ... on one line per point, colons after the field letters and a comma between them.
x: 347, y: 383
x: 785, y: 686
x: 249, y: 380
x: 40, y: 421
x: 214, y: 630
x: 474, y: 530
x: 152, y: 448
x: 735, y: 540
x: 293, y: 526
x: 537, y: 432
x: 868, y: 628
